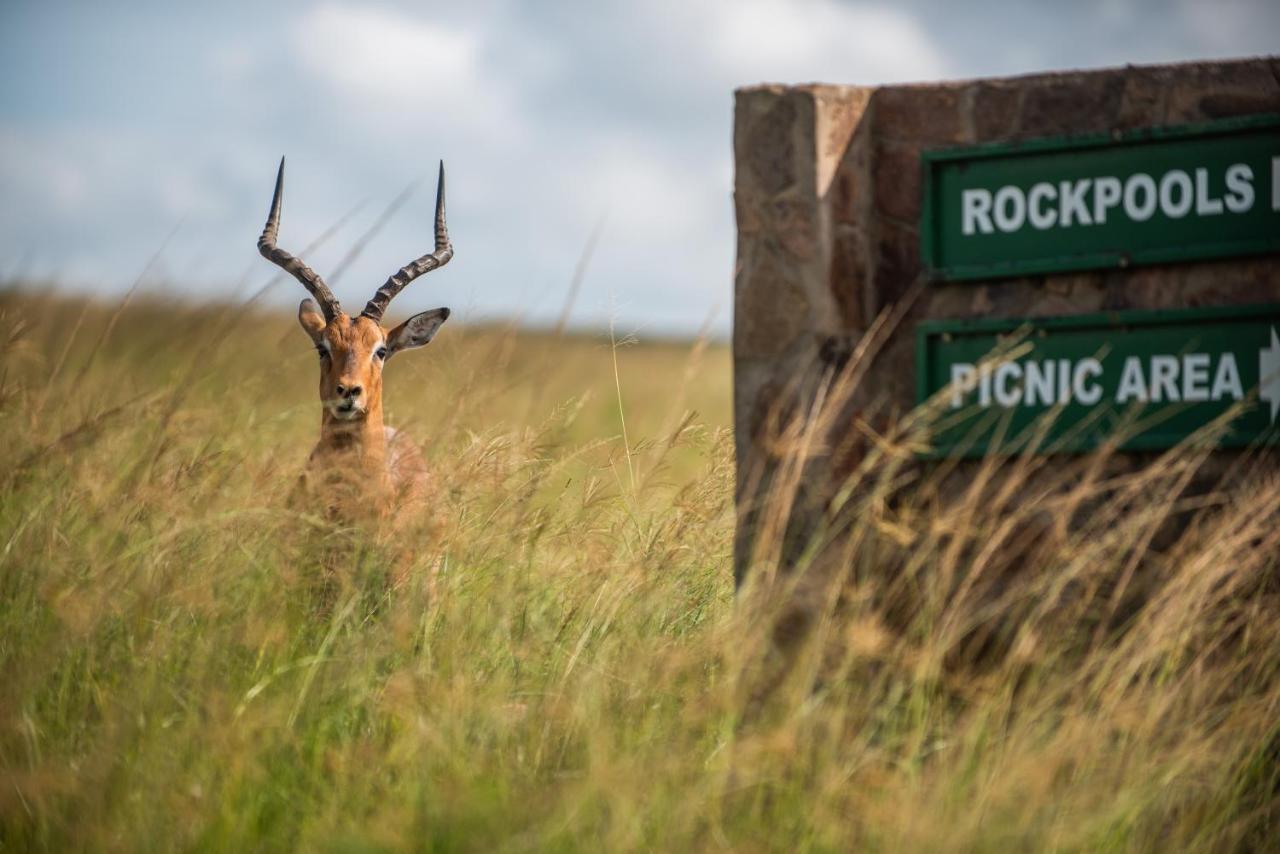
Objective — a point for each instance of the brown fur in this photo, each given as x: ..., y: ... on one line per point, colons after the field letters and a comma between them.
x: 361, y: 471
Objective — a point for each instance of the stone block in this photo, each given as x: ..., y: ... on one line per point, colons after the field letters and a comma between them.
x: 792, y: 224
x: 771, y: 306
x: 947, y: 300
x: 1075, y: 104
x: 897, y: 262
x: 839, y: 112
x: 1142, y: 103
x: 852, y: 190
x: 844, y: 199
x: 768, y: 159
x: 1224, y: 105
x: 746, y: 213
x: 922, y: 114
x: 897, y: 172
x: 849, y: 276
x: 997, y: 109
x: 1219, y: 90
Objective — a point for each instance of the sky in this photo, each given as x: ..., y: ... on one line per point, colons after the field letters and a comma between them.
x: 576, y: 135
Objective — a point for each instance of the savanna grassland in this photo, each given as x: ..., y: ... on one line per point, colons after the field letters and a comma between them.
x: 584, y: 677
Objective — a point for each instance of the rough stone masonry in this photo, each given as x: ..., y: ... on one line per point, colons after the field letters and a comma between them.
x: 828, y: 195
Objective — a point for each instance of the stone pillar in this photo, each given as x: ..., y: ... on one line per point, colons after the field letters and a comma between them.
x: 793, y: 148
x: 828, y: 196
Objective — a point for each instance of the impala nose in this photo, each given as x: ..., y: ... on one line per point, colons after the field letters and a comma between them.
x: 349, y: 391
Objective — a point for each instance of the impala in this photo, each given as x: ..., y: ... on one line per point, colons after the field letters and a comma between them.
x: 361, y: 468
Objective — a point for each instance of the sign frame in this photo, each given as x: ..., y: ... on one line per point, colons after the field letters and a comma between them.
x: 931, y: 161
x: 1149, y: 440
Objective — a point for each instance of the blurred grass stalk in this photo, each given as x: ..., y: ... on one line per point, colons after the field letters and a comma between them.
x: 1051, y: 653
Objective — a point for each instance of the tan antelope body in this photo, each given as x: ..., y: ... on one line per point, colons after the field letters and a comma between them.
x: 361, y: 469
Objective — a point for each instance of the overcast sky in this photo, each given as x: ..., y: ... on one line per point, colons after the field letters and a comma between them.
x: 124, y: 123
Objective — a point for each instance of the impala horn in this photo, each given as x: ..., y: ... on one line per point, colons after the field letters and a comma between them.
x: 438, y: 258
x: 291, y: 265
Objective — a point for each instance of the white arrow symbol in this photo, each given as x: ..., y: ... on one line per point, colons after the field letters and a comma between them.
x: 1269, y: 374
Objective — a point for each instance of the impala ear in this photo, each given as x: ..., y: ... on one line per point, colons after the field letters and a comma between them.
x: 311, y: 319
x: 416, y: 331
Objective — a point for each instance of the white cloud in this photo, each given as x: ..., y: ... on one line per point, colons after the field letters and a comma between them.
x: 99, y: 171
x: 396, y: 68
x: 644, y: 190
x: 88, y: 205
x: 1225, y: 27
x: 548, y: 115
x: 749, y: 41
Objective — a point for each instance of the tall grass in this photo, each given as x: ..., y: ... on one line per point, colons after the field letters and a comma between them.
x: 973, y: 673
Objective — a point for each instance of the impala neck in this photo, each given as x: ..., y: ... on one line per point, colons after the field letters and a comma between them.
x: 364, y: 439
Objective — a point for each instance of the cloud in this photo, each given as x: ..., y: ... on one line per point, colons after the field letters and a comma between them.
x: 89, y: 204
x: 408, y: 71
x: 1224, y: 27
x: 548, y: 115
x: 819, y: 40
x: 550, y: 118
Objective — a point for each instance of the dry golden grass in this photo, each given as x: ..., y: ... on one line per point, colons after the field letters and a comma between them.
x: 586, y: 678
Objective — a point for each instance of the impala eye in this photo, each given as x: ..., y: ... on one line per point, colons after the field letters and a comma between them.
x: 324, y: 353
x: 381, y: 353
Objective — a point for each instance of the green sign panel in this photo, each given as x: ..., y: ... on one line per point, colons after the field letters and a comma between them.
x: 1156, y: 195
x: 1067, y: 383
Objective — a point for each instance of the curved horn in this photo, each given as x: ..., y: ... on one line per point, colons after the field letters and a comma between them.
x: 438, y: 258
x: 291, y: 265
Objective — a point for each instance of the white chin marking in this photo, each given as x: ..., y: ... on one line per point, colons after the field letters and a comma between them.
x: 346, y: 414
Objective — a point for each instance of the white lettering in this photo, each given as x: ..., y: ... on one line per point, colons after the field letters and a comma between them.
x: 1143, y: 182
x: 1206, y: 204
x: 1088, y: 201
x: 1132, y: 383
x: 1037, y: 381
x: 1164, y: 378
x: 1227, y: 380
x: 977, y: 211
x: 1091, y: 394
x: 1042, y: 217
x: 1107, y: 191
x: 1239, y: 196
x: 1006, y: 395
x: 963, y: 379
x: 1011, y: 208
x: 1073, y: 204
x: 1175, y: 179
x: 1195, y: 376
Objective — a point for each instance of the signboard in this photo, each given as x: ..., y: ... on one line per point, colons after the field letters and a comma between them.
x: 1155, y: 376
x: 1156, y: 195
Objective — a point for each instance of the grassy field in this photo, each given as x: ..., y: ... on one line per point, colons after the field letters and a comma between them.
x: 585, y: 678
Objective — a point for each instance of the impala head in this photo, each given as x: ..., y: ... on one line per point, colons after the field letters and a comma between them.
x: 353, y: 350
